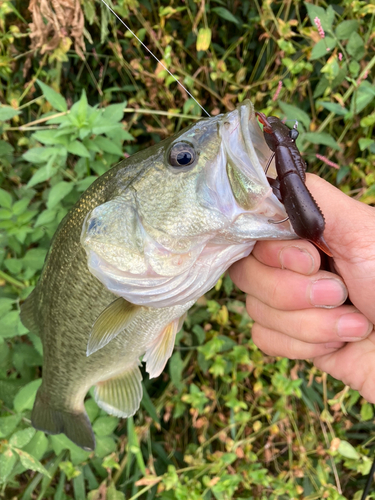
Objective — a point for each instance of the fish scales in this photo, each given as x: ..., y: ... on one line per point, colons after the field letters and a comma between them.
x: 140, y: 246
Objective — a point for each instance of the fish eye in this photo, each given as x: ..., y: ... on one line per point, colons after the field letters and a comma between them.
x: 293, y: 134
x: 181, y: 154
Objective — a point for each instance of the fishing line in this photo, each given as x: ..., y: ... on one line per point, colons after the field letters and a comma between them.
x: 154, y: 56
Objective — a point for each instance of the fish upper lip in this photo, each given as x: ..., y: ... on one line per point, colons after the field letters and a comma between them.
x: 247, y: 153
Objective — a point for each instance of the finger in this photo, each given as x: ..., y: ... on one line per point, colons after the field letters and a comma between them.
x: 350, y: 229
x: 275, y: 343
x: 344, y: 324
x: 299, y: 256
x: 283, y: 289
x: 354, y: 365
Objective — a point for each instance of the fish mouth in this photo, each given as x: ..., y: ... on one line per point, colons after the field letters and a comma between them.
x: 247, y: 155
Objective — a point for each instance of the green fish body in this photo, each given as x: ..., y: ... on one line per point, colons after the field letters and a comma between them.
x: 146, y: 240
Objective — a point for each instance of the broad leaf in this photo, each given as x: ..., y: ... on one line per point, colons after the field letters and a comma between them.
x: 25, y: 398
x: 225, y: 14
x: 56, y: 100
x: 21, y: 438
x: 58, y: 193
x: 30, y: 462
x: 321, y: 138
x: 6, y: 113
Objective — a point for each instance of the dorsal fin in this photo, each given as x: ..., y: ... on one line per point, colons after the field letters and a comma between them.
x: 28, y: 313
x: 110, y: 323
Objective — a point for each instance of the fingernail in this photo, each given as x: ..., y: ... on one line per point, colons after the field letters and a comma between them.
x: 296, y: 259
x: 334, y: 345
x: 353, y: 326
x: 327, y: 292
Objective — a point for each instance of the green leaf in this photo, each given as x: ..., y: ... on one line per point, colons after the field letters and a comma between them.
x: 107, y: 145
x: 347, y: 450
x: 77, y: 148
x: 320, y: 48
x: 46, y: 217
x: 104, y: 446
x: 5, y: 199
x: 105, y: 127
x: 56, y: 100
x: 41, y: 175
x: 69, y: 469
x: 8, y: 424
x: 13, y: 265
x: 365, y: 143
x: 113, y: 494
x: 5, y: 214
x: 326, y: 16
x: 114, y: 112
x: 321, y: 138
x: 225, y: 14
x: 7, y: 461
x: 25, y: 398
x: 6, y: 113
x: 21, y: 438
x: 295, y: 113
x: 6, y: 305
x: 36, y: 155
x: 176, y: 366
x: 9, y: 324
x: 34, y: 258
x: 30, y: 462
x: 148, y: 405
x: 367, y: 412
x: 333, y: 107
x: 345, y: 29
x: 362, y: 97
x: 61, y: 442
x: 20, y: 206
x: 92, y: 409
x: 356, y: 46
x: 37, y: 446
x: 104, y: 426
x: 58, y: 193
x: 49, y: 137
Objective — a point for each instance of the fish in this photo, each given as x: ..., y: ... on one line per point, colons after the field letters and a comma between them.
x: 141, y: 245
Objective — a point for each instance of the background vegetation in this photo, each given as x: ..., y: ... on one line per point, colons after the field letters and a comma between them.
x: 79, y: 93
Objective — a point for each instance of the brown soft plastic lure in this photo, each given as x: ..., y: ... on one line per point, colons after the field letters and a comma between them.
x: 305, y: 216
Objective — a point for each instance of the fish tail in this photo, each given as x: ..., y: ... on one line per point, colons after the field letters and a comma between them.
x: 75, y: 425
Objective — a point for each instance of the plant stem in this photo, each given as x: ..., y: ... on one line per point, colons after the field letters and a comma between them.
x: 11, y: 280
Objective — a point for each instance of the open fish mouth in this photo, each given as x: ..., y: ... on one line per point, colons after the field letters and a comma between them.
x: 168, y: 237
x: 247, y: 155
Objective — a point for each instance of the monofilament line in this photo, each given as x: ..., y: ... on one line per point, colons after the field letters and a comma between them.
x: 154, y: 56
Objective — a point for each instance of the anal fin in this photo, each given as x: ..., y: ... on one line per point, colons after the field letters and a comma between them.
x: 120, y: 395
x: 161, y: 349
x: 110, y: 323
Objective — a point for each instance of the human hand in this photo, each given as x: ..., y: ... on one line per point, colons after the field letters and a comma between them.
x: 297, y: 307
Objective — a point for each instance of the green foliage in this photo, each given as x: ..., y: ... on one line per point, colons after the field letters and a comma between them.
x: 224, y: 421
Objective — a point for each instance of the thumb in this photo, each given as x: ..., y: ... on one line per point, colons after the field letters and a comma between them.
x: 350, y: 234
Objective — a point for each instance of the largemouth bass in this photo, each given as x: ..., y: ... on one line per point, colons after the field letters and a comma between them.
x: 146, y: 240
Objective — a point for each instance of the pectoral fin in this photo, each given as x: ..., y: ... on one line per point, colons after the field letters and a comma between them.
x: 120, y: 395
x: 161, y: 349
x: 110, y: 323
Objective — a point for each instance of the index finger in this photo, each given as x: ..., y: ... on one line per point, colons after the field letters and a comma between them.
x: 299, y: 256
